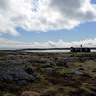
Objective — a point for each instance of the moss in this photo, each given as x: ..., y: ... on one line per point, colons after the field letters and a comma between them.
x: 45, y: 65
x: 67, y: 88
x: 62, y: 70
x: 8, y: 94
x: 75, y: 77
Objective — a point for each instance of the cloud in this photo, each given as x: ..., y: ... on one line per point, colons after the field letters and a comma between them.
x: 44, y: 15
x: 5, y: 43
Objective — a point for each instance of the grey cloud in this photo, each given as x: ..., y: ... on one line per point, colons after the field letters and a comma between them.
x: 48, y: 14
x: 4, y: 4
x: 80, y: 10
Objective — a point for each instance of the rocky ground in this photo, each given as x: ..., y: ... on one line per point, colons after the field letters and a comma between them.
x: 47, y: 74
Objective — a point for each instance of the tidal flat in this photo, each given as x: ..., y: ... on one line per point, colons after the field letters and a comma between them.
x: 47, y: 74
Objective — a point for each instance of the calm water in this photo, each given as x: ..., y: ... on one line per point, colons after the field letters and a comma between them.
x: 52, y: 50
x: 47, y: 50
x: 93, y: 50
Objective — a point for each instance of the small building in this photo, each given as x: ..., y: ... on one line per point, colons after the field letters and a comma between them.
x: 80, y: 49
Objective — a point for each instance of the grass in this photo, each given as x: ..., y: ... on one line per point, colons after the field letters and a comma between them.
x: 8, y: 94
x: 2, y: 53
x: 62, y: 70
x: 84, y: 55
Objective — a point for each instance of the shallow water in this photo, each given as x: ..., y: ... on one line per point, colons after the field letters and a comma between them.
x: 52, y: 51
x: 48, y: 51
x: 93, y: 50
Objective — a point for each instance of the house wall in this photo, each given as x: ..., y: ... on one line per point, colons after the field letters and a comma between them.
x: 80, y: 49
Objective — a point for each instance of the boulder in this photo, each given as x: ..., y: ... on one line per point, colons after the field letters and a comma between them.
x: 49, y: 70
x: 63, y: 64
x: 29, y: 70
x: 22, y: 82
x: 77, y: 72
x: 11, y: 58
x: 52, y: 63
x: 67, y: 75
x: 15, y: 74
x: 71, y: 60
x: 94, y: 70
x: 10, y: 63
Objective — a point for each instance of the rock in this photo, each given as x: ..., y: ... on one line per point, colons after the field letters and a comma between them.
x: 10, y: 63
x: 49, y: 70
x: 94, y: 70
x: 63, y: 64
x: 15, y: 74
x: 72, y: 60
x: 52, y: 63
x: 29, y: 70
x: 77, y: 72
x: 12, y: 58
x: 42, y: 60
x: 67, y: 75
x: 94, y: 90
x: 22, y: 82
x: 81, y: 69
x: 56, y: 58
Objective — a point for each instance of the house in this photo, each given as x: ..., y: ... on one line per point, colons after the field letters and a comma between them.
x: 80, y: 49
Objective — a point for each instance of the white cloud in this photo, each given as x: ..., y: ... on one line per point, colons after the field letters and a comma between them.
x: 5, y: 43
x: 44, y: 15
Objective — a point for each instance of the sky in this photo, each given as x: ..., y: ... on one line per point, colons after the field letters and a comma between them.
x: 47, y: 23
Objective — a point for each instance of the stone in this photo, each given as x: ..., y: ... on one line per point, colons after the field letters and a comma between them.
x: 72, y: 60
x: 52, y: 63
x: 94, y: 70
x: 81, y: 69
x: 77, y: 72
x: 67, y: 75
x: 15, y: 74
x: 63, y: 64
x: 29, y: 70
x: 9, y: 63
x: 49, y: 70
x: 22, y: 82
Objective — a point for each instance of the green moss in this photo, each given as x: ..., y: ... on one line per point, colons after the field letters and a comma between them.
x: 75, y: 76
x: 67, y: 88
x: 8, y: 94
x: 62, y: 70
x: 47, y: 69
